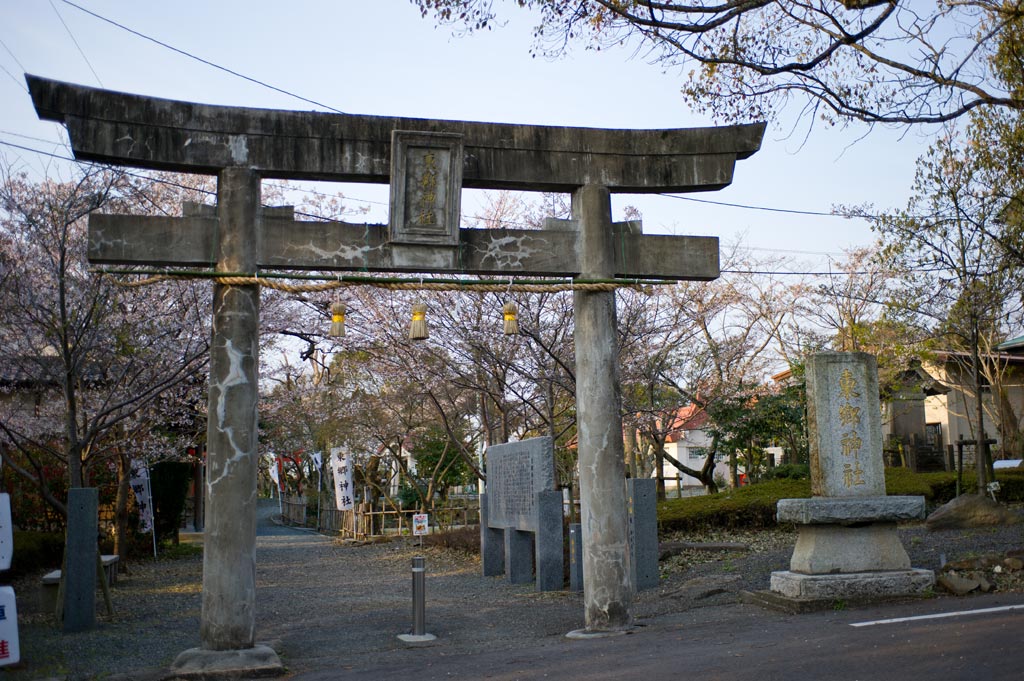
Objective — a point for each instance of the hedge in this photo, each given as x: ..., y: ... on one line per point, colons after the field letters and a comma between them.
x: 35, y: 550
x: 754, y: 506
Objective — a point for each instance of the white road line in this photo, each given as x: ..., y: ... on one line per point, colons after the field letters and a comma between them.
x: 939, y: 615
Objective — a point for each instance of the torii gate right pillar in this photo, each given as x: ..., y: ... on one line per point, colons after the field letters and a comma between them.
x: 607, y: 587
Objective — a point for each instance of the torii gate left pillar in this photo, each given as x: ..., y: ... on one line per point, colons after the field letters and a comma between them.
x: 242, y: 146
x: 229, y: 560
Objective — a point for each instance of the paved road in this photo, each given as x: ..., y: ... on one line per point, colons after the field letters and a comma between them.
x: 744, y: 643
x: 344, y: 635
x: 266, y: 511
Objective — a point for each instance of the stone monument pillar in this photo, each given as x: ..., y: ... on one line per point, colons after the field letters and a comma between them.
x: 847, y: 545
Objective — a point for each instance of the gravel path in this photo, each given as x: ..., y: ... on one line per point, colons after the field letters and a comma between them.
x: 330, y: 605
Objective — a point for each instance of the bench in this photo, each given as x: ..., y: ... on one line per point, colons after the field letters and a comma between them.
x: 51, y: 581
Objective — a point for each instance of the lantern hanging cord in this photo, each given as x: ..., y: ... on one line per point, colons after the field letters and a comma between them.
x: 275, y: 281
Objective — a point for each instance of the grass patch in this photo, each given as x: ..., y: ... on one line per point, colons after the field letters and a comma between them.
x: 179, y: 551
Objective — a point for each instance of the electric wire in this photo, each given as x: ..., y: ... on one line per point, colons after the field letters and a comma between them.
x: 17, y: 80
x: 207, y: 62
x: 16, y: 60
x: 75, y: 41
x: 790, y: 211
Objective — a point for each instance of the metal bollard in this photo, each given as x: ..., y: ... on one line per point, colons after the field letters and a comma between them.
x: 419, y: 608
x: 419, y: 596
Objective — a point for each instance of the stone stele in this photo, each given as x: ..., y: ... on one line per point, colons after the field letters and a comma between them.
x: 848, y: 546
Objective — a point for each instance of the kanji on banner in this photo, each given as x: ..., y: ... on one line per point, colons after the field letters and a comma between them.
x: 143, y: 496
x: 342, y: 468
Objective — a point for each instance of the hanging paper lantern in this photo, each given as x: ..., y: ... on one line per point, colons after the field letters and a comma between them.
x: 510, y: 313
x: 338, y: 310
x: 418, y: 327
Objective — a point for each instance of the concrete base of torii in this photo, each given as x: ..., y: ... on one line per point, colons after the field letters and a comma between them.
x: 258, y: 662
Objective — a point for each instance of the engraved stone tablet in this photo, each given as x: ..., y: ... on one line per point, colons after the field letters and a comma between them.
x: 426, y: 188
x: 516, y: 472
x: 845, y: 423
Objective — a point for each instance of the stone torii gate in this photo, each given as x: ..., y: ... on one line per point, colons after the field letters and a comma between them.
x: 427, y: 162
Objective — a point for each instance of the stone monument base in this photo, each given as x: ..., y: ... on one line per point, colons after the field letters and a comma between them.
x: 260, y: 661
x: 829, y: 549
x: 857, y: 586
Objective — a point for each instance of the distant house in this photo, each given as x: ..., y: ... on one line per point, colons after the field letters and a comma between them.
x: 688, y: 442
x: 951, y: 416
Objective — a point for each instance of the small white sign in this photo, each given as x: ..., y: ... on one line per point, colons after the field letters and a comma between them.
x: 420, y: 524
x: 6, y: 532
x: 10, y: 651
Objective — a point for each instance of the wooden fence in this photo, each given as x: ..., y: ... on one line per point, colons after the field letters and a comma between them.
x: 363, y: 521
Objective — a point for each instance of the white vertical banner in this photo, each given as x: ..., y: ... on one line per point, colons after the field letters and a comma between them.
x: 273, y: 473
x: 341, y: 466
x: 143, y: 495
x: 319, y: 461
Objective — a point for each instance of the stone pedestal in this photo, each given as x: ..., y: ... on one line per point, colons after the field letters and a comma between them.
x: 257, y: 662
x: 848, y: 535
x: 854, y: 586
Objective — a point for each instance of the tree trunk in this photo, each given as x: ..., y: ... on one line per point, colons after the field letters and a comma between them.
x: 983, y: 458
x: 121, y: 506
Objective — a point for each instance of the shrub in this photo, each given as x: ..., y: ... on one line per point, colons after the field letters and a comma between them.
x: 35, y: 550
x: 1011, y: 485
x: 752, y: 506
x: 790, y: 471
x: 465, y: 539
x: 903, y: 482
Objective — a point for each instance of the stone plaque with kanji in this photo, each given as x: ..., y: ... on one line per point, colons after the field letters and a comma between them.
x: 426, y: 183
x: 845, y: 428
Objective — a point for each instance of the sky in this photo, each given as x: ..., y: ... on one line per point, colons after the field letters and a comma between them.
x: 383, y: 58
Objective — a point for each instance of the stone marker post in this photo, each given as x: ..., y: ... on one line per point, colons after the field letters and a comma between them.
x: 847, y: 545
x: 607, y: 585
x: 79, y: 575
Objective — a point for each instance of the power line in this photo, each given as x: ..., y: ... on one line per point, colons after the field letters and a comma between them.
x: 792, y: 211
x: 80, y: 50
x: 16, y: 61
x: 30, y: 137
x: 201, y: 60
x: 17, y: 80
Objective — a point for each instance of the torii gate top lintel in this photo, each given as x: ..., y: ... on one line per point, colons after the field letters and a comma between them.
x: 163, y: 134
